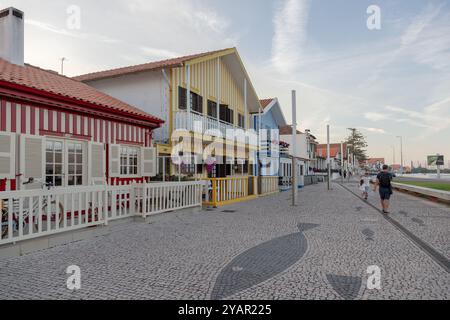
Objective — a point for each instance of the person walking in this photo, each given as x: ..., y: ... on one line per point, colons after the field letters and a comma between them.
x: 384, y: 179
x: 365, y: 185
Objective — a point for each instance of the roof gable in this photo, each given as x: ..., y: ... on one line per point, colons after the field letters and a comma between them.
x: 272, y: 105
x: 230, y: 57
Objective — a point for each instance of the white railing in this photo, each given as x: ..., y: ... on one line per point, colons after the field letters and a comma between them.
x: 199, y: 123
x: 156, y: 198
x: 31, y: 214
x: 34, y: 213
x: 269, y: 185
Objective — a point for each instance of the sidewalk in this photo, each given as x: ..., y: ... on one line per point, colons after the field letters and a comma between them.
x: 260, y: 249
x: 429, y: 220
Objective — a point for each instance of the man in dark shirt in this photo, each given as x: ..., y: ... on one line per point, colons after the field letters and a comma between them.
x: 384, y: 179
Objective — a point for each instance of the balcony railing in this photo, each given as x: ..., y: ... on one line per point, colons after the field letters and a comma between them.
x: 200, y: 123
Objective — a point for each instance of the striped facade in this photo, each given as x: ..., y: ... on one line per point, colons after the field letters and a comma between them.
x: 204, y: 81
x: 45, y: 121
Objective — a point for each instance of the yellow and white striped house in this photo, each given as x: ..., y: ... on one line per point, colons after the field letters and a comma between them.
x: 221, y: 97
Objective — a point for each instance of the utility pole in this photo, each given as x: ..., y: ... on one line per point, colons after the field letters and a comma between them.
x: 294, y: 148
x: 328, y: 157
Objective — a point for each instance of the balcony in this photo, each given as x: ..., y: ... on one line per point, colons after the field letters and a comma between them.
x: 200, y: 123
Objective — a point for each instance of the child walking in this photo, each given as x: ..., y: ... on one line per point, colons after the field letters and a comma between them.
x: 364, y: 185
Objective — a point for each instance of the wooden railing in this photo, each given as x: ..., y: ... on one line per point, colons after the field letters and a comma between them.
x: 223, y: 191
x: 268, y: 185
x: 30, y: 214
x: 156, y: 198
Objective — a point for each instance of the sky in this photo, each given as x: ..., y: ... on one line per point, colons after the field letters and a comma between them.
x: 388, y: 82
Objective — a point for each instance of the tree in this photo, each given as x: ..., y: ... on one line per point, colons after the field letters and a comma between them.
x: 357, y: 144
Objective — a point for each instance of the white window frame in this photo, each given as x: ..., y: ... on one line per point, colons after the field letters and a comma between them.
x: 138, y: 156
x: 65, y: 161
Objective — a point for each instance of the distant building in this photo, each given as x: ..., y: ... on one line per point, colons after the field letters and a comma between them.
x: 335, y: 154
x: 375, y: 163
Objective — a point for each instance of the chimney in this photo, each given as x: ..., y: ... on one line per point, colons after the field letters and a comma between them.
x: 12, y: 35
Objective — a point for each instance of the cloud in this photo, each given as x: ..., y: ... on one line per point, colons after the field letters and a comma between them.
x: 374, y: 130
x: 290, y: 23
x: 74, y: 34
x: 375, y: 116
x: 159, y: 53
x: 419, y: 24
x: 428, y: 118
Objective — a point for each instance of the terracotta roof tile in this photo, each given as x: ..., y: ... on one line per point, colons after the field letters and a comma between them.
x: 287, y: 130
x: 266, y: 102
x: 175, y: 62
x: 51, y: 82
x: 335, y: 149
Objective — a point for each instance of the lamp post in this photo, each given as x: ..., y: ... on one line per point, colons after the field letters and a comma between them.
x: 401, y: 153
x: 294, y: 148
x: 393, y: 155
x: 328, y: 157
x: 342, y: 162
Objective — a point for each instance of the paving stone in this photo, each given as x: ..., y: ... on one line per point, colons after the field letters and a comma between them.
x: 275, y: 250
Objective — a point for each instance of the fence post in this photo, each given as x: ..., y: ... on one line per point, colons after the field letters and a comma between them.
x: 132, y: 199
x: 106, y: 207
x: 145, y: 201
x: 214, y: 192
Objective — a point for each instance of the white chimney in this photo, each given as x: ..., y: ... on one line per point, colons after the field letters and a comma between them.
x: 12, y: 35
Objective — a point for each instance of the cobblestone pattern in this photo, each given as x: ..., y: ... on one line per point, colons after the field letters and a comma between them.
x: 182, y: 255
x: 261, y: 263
x: 347, y: 287
x: 429, y: 220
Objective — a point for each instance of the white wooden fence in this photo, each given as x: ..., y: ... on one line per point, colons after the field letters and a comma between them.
x: 269, y: 185
x: 31, y: 214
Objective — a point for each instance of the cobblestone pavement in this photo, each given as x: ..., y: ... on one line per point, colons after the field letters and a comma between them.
x: 261, y: 249
x: 429, y: 220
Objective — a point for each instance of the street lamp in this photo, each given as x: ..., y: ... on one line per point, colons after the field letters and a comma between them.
x: 393, y: 155
x: 401, y: 153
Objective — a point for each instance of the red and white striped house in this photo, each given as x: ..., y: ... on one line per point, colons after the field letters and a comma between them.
x: 61, y: 131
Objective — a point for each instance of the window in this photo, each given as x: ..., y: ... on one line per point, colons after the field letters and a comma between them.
x: 197, y: 102
x: 241, y: 121
x: 182, y: 98
x: 75, y: 163
x: 129, y: 160
x: 223, y: 111
x: 226, y: 114
x: 54, y: 163
x: 64, y: 163
x: 230, y: 116
x: 212, y: 109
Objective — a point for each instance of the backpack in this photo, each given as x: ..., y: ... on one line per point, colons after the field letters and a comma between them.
x: 385, y: 180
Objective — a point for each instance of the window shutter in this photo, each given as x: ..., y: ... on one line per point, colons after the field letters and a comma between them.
x: 114, y: 160
x: 96, y: 163
x: 32, y: 157
x: 7, y: 155
x: 148, y: 162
